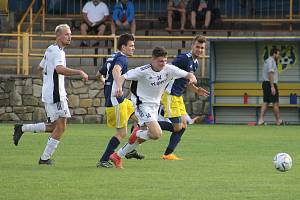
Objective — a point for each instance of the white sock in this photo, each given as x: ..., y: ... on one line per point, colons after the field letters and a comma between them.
x: 127, y: 148
x: 49, y: 149
x: 39, y: 127
x: 143, y: 134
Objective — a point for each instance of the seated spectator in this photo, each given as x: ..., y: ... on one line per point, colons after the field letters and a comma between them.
x: 202, y: 11
x: 123, y: 17
x: 95, y: 13
x: 176, y: 9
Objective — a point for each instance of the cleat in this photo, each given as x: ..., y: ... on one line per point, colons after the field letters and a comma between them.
x: 46, y: 162
x: 134, y: 154
x: 117, y: 160
x: 104, y: 164
x: 133, y: 136
x: 17, y: 133
x: 170, y: 157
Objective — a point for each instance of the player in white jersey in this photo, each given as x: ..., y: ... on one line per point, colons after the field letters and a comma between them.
x: 148, y: 84
x: 54, y: 94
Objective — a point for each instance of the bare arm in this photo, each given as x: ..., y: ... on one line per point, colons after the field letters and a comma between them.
x: 116, y: 72
x: 198, y: 90
x: 70, y: 72
x: 271, y: 79
x: 191, y: 78
x: 85, y: 18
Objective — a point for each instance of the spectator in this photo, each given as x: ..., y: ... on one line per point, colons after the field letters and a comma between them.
x: 95, y: 13
x: 176, y: 9
x: 202, y: 10
x: 123, y: 17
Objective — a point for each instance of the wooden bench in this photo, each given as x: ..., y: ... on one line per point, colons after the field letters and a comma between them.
x: 223, y: 93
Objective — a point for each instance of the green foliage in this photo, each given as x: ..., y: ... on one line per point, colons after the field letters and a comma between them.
x: 220, y: 162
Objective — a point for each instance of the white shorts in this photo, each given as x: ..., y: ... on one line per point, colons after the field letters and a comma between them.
x: 56, y: 110
x: 146, y: 113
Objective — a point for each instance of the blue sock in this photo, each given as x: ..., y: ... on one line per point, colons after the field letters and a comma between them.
x: 111, y: 146
x: 174, y: 140
x: 166, y: 126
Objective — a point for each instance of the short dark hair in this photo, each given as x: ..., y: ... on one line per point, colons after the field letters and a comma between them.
x: 199, y: 38
x: 124, y: 39
x: 159, y: 52
x: 273, y: 51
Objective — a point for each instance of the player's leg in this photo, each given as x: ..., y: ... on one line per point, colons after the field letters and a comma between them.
x: 58, y: 113
x: 20, y: 129
x: 174, y: 110
x: 267, y: 98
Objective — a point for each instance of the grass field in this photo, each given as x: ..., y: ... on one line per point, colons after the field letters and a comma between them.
x: 220, y: 162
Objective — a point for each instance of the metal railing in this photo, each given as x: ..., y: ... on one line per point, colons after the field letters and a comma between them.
x: 28, y: 52
x: 29, y: 12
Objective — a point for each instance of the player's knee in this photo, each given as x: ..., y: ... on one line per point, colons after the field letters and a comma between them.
x: 177, y: 128
x: 156, y: 135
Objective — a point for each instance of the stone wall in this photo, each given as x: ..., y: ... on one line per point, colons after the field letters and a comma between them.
x: 20, y: 100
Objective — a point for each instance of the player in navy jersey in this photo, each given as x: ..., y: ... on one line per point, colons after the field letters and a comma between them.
x: 118, y: 109
x: 172, y: 98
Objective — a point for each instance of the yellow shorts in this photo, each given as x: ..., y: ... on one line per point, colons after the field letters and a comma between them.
x: 173, y: 105
x: 118, y: 116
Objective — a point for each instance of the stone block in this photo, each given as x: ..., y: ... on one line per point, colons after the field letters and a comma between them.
x: 37, y: 90
x: 29, y: 100
x: 85, y: 103
x: 9, y: 117
x: 73, y: 101
x: 80, y: 111
x: 39, y: 114
x: 88, y: 119
x: 75, y: 120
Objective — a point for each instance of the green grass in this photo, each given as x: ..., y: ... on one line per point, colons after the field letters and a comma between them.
x: 220, y: 162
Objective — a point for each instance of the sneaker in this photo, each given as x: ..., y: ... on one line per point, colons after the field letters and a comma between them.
x: 117, y: 160
x: 46, y: 162
x: 134, y: 154
x: 83, y: 44
x: 17, y: 133
x: 170, y: 157
x: 104, y: 164
x: 133, y: 136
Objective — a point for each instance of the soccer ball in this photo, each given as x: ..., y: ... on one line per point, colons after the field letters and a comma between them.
x: 282, y: 162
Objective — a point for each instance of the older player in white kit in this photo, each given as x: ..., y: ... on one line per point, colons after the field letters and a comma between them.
x: 54, y: 94
x: 148, y: 84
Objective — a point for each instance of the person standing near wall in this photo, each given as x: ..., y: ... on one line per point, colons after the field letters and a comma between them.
x: 270, y: 88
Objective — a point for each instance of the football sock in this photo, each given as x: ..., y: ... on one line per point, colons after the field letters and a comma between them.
x: 39, y: 127
x: 111, y: 146
x: 166, y: 126
x: 143, y: 134
x: 174, y: 140
x: 127, y: 148
x: 50, y: 148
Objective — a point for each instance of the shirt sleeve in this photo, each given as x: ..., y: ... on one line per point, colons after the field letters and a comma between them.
x: 176, y: 72
x: 85, y: 8
x: 270, y: 65
x: 116, y: 13
x: 121, y: 61
x: 182, y: 62
x: 103, y: 70
x: 134, y: 74
x: 58, y: 59
x: 42, y: 63
x: 106, y: 11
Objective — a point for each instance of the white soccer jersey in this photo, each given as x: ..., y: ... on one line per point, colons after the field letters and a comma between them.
x: 53, y: 90
x: 148, y: 85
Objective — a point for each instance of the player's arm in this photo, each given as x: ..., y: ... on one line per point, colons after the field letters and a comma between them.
x: 70, y: 72
x: 100, y: 77
x: 86, y: 20
x: 198, y: 90
x: 191, y: 78
x: 271, y: 78
x: 117, y: 72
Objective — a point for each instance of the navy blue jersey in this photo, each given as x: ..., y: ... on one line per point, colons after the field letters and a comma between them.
x: 120, y: 59
x: 185, y: 62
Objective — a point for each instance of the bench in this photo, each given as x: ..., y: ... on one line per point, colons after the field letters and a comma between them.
x: 231, y: 94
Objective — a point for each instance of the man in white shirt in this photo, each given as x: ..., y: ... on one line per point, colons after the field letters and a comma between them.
x: 95, y: 14
x: 54, y: 94
x: 270, y: 89
x: 148, y: 84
